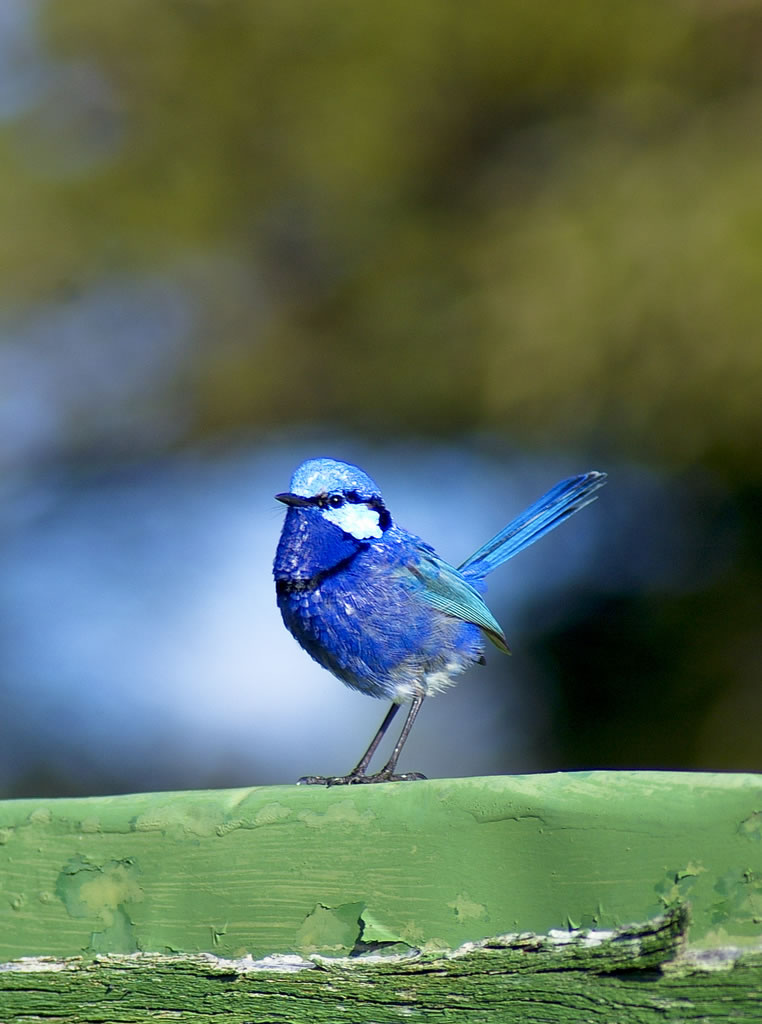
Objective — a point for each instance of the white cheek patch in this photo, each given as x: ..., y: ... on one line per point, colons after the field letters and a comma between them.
x: 359, y: 520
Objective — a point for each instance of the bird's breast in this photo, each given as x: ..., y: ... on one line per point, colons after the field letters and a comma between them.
x: 310, y: 548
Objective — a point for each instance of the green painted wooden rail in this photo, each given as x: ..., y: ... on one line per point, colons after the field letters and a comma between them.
x: 603, y: 896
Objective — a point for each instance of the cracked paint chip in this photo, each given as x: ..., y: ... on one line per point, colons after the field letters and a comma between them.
x: 102, y: 894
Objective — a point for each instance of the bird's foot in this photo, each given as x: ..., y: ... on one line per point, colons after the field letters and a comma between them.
x: 384, y: 776
x: 323, y: 780
x: 358, y: 778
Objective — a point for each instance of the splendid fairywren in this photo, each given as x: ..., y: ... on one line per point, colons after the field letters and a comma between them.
x: 377, y: 606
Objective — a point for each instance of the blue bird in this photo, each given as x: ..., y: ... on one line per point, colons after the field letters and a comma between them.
x: 378, y: 607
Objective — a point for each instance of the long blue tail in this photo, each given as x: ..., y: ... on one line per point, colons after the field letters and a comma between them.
x: 561, y: 501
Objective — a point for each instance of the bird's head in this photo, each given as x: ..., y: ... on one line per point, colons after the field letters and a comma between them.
x: 340, y: 494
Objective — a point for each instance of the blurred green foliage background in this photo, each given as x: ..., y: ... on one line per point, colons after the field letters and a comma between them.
x: 535, y: 224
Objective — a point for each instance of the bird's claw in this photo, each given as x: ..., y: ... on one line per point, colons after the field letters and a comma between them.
x: 317, y: 780
x: 404, y: 777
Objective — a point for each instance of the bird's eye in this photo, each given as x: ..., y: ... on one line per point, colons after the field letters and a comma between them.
x: 336, y: 500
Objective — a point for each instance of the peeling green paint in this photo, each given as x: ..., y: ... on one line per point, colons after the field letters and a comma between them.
x: 465, y: 908
x: 751, y: 827
x: 92, y: 890
x: 426, y: 865
x: 102, y: 894
x: 377, y: 934
x: 331, y: 930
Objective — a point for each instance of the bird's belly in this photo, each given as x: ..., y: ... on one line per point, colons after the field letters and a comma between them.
x: 381, y: 640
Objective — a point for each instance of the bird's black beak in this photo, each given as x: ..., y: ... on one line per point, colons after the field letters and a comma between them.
x: 295, y: 500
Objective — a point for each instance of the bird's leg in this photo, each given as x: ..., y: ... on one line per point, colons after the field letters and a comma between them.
x: 387, y: 772
x: 362, y: 765
x: 357, y: 775
x: 358, y: 772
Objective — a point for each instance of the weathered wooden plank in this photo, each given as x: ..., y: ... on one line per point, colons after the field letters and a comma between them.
x: 129, y: 892
x: 631, y: 976
x: 421, y: 865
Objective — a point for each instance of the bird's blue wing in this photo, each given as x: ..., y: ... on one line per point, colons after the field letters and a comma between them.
x: 561, y: 501
x: 442, y: 586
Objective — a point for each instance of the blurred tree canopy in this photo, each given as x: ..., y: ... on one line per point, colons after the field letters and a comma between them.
x: 526, y: 220
x: 542, y: 218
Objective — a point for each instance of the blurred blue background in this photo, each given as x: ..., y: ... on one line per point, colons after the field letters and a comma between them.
x: 473, y: 250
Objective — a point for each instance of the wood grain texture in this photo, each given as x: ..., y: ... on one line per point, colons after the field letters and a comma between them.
x: 636, y: 975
